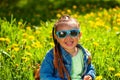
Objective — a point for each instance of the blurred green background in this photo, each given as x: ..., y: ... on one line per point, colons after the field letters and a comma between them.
x: 33, y: 11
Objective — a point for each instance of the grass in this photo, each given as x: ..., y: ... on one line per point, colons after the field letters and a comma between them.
x: 23, y: 46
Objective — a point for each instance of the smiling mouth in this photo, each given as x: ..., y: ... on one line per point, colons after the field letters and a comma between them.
x: 70, y: 43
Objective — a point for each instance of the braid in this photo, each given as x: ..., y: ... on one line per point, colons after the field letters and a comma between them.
x: 58, y: 60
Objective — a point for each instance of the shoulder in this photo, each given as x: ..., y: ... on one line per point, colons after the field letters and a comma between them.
x: 48, y: 59
x: 49, y: 55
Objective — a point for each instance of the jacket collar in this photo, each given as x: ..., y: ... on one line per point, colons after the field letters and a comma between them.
x: 68, y: 58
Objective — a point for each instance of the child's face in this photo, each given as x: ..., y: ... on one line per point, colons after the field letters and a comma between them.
x: 68, y: 42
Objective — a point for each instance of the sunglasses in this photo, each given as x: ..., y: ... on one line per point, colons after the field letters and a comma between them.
x: 71, y: 33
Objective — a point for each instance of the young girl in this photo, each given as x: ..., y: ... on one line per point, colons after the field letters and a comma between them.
x: 68, y: 60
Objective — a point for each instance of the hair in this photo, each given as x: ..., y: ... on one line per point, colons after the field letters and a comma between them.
x: 58, y: 59
x: 66, y: 21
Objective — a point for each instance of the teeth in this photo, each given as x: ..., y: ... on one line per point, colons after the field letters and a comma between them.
x: 69, y: 43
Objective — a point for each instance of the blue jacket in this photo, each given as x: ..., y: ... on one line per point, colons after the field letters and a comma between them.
x: 48, y: 72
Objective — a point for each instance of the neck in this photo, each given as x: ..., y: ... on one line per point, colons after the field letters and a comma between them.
x: 73, y: 52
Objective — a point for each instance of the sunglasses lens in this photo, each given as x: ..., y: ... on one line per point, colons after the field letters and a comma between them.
x: 74, y: 33
x: 62, y: 34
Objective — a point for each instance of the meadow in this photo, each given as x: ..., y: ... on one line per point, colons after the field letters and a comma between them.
x: 23, y: 46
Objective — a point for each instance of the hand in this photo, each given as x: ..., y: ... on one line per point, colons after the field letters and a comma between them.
x: 87, y: 77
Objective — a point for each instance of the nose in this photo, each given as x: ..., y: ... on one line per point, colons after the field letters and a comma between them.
x: 68, y: 37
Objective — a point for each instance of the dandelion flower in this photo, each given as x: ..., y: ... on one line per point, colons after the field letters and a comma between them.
x: 19, y: 23
x: 98, y: 78
x: 68, y: 11
x: 16, y: 65
x: 28, y: 28
x: 2, y: 39
x: 58, y: 15
x: 118, y: 21
x: 111, y: 69
x: 31, y: 37
x: 14, y: 45
x: 51, y: 43
x: 25, y: 35
x: 27, y: 47
x: 28, y: 53
x: 7, y: 40
x: 13, y: 56
x: 95, y: 44
x: 116, y: 28
x: 117, y: 74
x: 74, y: 6
x: 16, y: 49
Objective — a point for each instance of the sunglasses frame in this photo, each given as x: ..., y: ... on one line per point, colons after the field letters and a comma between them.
x: 68, y: 33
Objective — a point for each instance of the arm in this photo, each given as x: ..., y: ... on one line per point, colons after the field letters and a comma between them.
x: 90, y: 68
x: 47, y: 71
x: 91, y: 71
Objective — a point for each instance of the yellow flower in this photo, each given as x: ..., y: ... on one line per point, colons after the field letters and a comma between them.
x: 98, y: 78
x: 16, y: 65
x: 95, y: 44
x: 118, y: 21
x: 58, y: 15
x: 36, y: 45
x: 74, y: 6
x: 92, y: 24
x: 14, y: 45
x: 100, y: 8
x: 24, y: 40
x: 114, y: 9
x: 111, y: 69
x: 19, y: 23
x: 23, y: 68
x: 107, y: 27
x: 118, y: 15
x: 27, y: 47
x: 28, y: 53
x: 25, y: 35
x: 51, y: 43
x: 105, y: 13
x: 8, y: 49
x: 116, y: 28
x: 31, y: 37
x: 112, y: 48
x: 16, y: 49
x: 92, y: 14
x: 75, y: 15
x: 37, y: 32
x: 28, y: 28
x: 99, y: 22
x: 62, y: 12
x: 25, y: 59
x: 7, y: 40
x: 99, y: 14
x: 117, y: 74
x: 68, y: 11
x: 13, y: 56
x: 2, y: 39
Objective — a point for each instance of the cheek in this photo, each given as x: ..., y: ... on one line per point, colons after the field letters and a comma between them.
x: 77, y: 39
x: 60, y: 40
